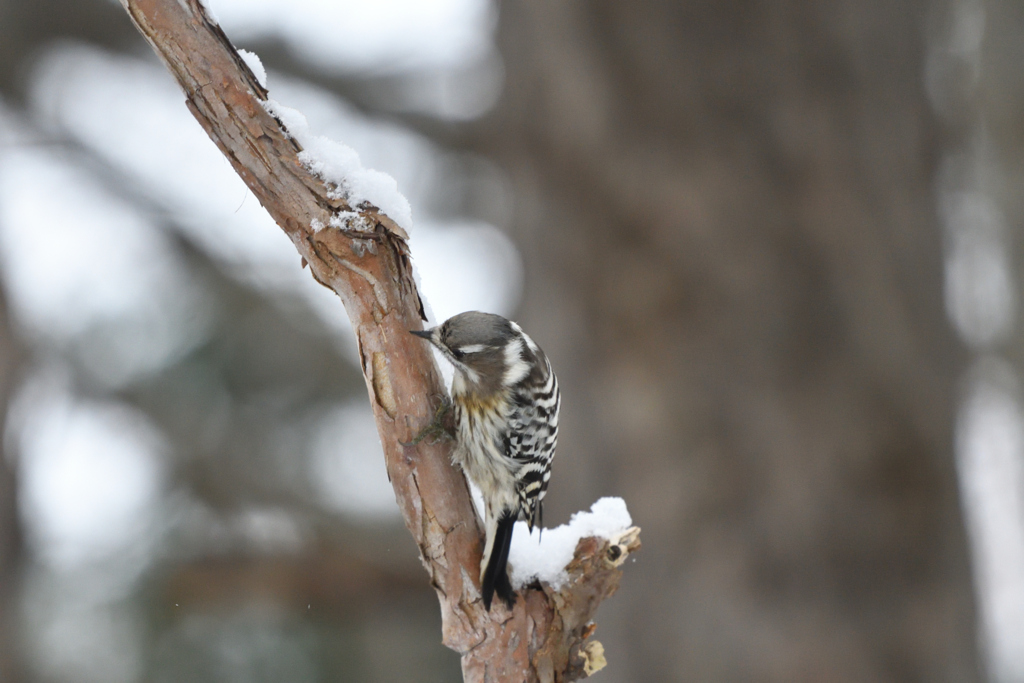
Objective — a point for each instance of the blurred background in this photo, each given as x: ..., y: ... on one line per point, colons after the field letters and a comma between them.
x: 771, y: 248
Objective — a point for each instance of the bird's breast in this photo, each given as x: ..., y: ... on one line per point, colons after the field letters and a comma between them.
x: 475, y: 405
x: 481, y: 421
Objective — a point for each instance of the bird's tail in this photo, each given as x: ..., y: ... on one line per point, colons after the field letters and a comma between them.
x: 495, y: 576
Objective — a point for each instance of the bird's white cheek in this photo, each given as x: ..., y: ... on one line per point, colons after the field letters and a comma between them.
x: 464, y: 376
x: 516, y: 369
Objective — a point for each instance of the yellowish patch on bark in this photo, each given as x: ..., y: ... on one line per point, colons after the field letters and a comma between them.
x: 382, y: 388
x: 593, y: 658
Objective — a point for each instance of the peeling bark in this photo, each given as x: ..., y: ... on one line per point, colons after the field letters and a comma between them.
x: 544, y: 637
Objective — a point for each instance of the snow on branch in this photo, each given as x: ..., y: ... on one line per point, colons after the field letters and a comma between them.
x: 545, y: 554
x: 349, y: 224
x: 338, y: 165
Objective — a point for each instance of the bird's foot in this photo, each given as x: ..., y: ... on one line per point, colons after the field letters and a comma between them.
x: 442, y: 426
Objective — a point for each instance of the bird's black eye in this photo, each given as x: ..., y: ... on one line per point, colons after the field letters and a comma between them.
x: 458, y: 353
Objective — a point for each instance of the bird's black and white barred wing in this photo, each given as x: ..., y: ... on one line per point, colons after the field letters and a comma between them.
x: 533, y: 435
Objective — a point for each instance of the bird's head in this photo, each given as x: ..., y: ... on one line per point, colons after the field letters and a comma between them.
x: 481, y: 346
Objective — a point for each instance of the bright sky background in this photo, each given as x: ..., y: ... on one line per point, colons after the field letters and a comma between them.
x: 91, y: 473
x: 381, y: 36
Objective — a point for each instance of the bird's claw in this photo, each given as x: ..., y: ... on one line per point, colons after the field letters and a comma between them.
x: 437, y: 429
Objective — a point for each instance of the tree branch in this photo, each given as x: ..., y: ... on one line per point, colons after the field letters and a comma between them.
x: 542, y: 638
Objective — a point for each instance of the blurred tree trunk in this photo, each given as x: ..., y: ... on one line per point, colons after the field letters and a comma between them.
x: 727, y: 216
x: 11, y: 540
x: 995, y: 99
x: 999, y: 102
x: 10, y: 563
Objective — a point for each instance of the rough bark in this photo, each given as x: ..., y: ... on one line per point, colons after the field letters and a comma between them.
x: 542, y: 638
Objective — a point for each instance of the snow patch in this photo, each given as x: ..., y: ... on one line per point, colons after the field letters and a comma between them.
x: 339, y: 165
x: 351, y: 220
x: 252, y: 60
x: 545, y: 556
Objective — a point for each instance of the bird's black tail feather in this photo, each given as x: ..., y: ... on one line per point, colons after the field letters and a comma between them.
x: 496, y: 574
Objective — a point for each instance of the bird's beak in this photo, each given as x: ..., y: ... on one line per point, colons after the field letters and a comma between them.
x: 426, y: 334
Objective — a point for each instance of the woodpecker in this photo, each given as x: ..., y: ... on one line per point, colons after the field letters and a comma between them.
x: 505, y: 399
